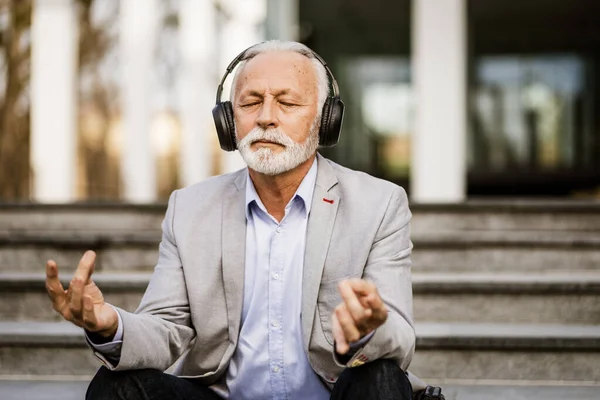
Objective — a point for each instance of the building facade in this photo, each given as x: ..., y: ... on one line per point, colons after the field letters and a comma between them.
x: 530, y: 73
x: 451, y: 99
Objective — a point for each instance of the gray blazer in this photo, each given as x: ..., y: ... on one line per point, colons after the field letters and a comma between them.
x: 194, y: 300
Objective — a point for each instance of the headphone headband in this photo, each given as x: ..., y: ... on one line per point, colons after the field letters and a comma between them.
x: 332, y: 112
x: 240, y: 57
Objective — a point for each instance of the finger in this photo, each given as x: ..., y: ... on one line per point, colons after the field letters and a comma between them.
x: 76, y: 291
x: 351, y: 332
x: 90, y: 322
x: 341, y: 345
x: 353, y: 304
x: 81, y: 277
x: 361, y: 287
x: 86, y: 266
x: 369, y: 297
x: 55, y: 288
x: 375, y: 302
x: 53, y: 285
x: 366, y: 305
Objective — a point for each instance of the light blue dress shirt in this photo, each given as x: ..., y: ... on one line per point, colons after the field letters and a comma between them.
x: 270, y: 362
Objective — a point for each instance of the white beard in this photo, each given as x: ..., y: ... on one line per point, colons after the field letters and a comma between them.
x: 266, y: 161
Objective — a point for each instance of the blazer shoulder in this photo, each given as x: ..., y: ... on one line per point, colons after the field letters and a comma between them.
x: 362, y: 185
x: 208, y: 190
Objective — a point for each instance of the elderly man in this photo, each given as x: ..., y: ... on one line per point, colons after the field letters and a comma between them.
x: 289, y: 279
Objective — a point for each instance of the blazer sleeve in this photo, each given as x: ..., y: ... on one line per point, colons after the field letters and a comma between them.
x: 160, y: 331
x: 389, y: 268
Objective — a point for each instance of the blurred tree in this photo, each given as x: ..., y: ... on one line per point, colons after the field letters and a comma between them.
x: 15, y: 23
x: 97, y: 144
x: 165, y: 121
x: 99, y: 166
x: 15, y: 46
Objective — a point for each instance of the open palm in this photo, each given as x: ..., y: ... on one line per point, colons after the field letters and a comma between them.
x: 82, y: 303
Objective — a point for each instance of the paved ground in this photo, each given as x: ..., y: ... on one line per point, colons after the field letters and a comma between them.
x: 521, y: 392
x: 28, y: 390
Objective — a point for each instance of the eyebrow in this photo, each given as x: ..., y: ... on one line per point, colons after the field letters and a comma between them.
x: 256, y: 93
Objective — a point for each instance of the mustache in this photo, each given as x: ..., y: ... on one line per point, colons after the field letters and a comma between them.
x: 270, y: 135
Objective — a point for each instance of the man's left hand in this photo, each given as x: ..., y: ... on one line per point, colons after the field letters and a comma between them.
x: 361, y: 312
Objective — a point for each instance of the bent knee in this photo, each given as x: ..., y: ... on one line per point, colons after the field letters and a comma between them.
x: 108, y: 384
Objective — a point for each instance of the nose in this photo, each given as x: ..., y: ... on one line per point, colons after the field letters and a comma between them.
x: 267, y: 118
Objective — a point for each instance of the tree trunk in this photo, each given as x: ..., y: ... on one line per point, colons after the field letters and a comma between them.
x: 14, y: 110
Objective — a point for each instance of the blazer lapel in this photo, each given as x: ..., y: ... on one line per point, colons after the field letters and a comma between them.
x: 320, y: 227
x: 233, y: 251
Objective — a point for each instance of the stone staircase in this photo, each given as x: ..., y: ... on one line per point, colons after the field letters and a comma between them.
x: 506, y: 294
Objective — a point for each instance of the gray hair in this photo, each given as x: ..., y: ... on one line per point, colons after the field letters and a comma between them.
x: 278, y: 45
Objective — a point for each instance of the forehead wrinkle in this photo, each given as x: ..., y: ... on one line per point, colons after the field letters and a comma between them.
x: 259, y: 93
x: 295, y: 77
x: 253, y: 92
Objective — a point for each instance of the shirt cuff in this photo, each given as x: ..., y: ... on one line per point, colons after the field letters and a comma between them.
x: 343, y: 359
x: 361, y: 342
x: 110, y: 347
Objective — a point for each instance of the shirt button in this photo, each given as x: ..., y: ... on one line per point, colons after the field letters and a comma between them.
x: 275, y: 276
x: 276, y: 369
x: 275, y: 324
x: 278, y: 230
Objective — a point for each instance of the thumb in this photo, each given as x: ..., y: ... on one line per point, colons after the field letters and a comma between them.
x: 90, y: 321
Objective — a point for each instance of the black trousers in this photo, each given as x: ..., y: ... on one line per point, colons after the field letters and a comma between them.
x: 377, y: 380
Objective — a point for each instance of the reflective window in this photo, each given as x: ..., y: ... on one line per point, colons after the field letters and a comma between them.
x: 528, y: 112
x: 379, y: 119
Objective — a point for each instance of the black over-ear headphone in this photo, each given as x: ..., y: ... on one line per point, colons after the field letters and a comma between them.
x: 331, y: 115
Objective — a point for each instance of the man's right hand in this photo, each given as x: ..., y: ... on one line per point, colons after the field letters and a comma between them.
x: 82, y: 303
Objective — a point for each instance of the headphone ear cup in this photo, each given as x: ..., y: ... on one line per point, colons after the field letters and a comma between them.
x: 230, y: 123
x: 225, y: 125
x: 331, y: 122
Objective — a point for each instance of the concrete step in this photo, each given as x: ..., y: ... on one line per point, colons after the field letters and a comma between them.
x: 507, y: 352
x: 26, y: 389
x: 507, y: 298
x: 507, y: 215
x: 75, y: 390
x: 23, y: 295
x: 444, y: 351
x: 500, y: 298
x: 44, y: 348
x: 473, y: 215
x: 521, y: 391
x: 467, y: 252
x: 124, y: 252
x: 504, y: 252
x: 97, y: 218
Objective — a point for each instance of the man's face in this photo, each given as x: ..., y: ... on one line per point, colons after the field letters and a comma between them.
x: 275, y: 110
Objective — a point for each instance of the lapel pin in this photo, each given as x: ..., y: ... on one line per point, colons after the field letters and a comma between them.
x: 327, y: 200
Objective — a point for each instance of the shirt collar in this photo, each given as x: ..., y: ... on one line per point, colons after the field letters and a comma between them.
x: 304, y: 193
